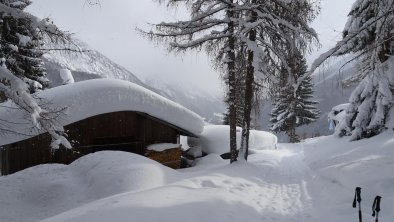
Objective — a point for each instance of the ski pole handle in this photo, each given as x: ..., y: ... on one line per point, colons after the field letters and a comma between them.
x: 357, y: 197
x: 376, y: 207
x: 358, y: 193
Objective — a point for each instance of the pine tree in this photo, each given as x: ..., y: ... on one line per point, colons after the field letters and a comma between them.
x: 368, y: 34
x: 20, y: 47
x: 291, y: 109
x: 21, y: 69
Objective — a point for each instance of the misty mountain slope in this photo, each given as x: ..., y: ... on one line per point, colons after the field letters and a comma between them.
x: 210, y: 106
x: 91, y: 64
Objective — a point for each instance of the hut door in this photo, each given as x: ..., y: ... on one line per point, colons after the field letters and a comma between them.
x: 117, y: 143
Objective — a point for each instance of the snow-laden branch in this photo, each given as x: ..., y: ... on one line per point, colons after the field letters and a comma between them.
x: 198, y: 42
x: 17, y: 87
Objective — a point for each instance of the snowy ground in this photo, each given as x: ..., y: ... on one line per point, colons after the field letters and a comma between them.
x: 310, y: 181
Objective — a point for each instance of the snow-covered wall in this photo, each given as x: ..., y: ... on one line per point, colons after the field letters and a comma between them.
x: 94, y: 97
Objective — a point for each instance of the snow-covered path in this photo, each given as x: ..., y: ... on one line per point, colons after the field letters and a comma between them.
x: 286, y: 175
x: 271, y: 187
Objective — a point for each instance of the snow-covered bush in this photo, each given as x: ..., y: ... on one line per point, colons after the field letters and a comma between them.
x: 368, y: 34
x: 337, y: 118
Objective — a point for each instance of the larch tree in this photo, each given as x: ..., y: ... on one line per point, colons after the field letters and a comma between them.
x: 21, y: 69
x: 272, y: 29
x: 368, y: 35
x: 240, y: 70
x: 224, y: 26
x: 213, y: 26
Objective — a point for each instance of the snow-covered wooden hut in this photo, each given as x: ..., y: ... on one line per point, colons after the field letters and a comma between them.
x: 100, y: 114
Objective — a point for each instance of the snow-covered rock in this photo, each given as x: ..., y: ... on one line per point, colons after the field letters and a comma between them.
x: 89, y: 98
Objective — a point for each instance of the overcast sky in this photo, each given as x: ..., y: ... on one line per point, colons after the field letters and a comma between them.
x: 110, y: 29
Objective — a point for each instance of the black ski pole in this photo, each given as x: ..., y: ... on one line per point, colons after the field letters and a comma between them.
x: 376, y: 208
x: 357, y: 197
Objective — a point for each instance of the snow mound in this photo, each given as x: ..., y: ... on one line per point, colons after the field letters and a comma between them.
x: 98, y: 96
x: 261, y: 140
x: 46, y: 190
x: 216, y: 139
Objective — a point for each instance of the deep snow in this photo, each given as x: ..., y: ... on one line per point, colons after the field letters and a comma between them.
x: 310, y: 181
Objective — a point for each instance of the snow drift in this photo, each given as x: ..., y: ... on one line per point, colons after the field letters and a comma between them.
x: 46, y: 190
x: 309, y: 181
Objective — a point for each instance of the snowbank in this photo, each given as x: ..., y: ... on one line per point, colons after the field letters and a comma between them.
x: 216, y: 139
x: 93, y: 97
x: 46, y: 190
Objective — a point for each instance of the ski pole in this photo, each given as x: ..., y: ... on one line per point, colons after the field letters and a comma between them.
x: 376, y: 208
x: 357, y: 197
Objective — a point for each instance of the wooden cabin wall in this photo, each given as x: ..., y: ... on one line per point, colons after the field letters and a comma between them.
x: 156, y: 132
x: 111, y: 128
x: 132, y: 130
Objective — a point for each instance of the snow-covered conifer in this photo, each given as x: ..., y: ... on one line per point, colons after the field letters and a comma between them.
x: 291, y: 109
x: 20, y: 47
x: 368, y: 34
x: 21, y: 69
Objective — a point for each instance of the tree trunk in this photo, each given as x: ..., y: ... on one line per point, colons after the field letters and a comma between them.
x: 232, y: 84
x: 248, y: 92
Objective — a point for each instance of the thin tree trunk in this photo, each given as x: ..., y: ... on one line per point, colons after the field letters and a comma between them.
x: 248, y: 92
x: 232, y: 89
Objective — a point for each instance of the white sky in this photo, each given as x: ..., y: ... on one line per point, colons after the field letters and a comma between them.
x: 110, y: 29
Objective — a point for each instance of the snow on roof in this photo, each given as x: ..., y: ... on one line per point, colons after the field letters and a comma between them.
x: 98, y: 96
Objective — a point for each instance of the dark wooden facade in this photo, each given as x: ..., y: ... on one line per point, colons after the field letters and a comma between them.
x: 125, y: 131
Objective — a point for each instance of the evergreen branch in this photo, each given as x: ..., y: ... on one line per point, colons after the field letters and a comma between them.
x: 334, y: 51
